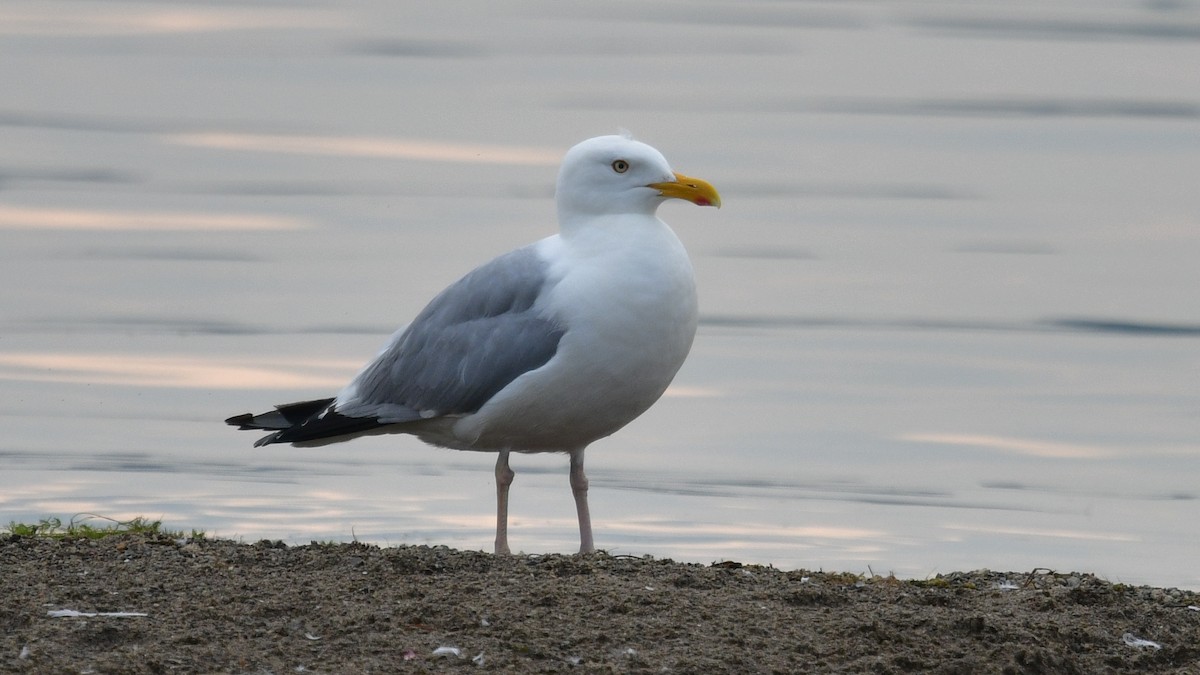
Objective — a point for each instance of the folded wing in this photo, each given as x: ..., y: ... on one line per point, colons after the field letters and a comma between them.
x: 470, y: 342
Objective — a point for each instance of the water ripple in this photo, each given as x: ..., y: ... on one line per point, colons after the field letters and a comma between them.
x: 1051, y: 325
x: 1059, y: 29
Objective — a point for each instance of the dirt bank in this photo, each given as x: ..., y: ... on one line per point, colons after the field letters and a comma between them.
x: 222, y: 606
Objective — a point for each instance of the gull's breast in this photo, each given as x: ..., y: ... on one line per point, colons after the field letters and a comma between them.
x: 629, y: 313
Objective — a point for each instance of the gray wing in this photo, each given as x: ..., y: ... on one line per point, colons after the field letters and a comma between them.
x: 470, y: 342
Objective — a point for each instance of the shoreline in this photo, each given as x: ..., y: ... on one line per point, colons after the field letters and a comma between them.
x: 153, y: 603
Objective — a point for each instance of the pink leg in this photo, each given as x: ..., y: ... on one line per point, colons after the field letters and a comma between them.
x: 579, y: 487
x: 504, y: 478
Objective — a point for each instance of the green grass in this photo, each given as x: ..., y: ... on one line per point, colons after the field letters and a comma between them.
x: 82, y: 526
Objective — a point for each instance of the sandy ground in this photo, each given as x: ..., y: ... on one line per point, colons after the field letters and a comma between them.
x: 222, y: 606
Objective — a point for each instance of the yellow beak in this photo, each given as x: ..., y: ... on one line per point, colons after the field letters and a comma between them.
x: 694, y: 190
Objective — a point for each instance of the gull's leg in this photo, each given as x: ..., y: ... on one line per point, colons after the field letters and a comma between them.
x: 504, y: 478
x: 579, y: 487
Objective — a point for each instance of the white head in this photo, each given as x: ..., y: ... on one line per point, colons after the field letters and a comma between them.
x: 610, y: 175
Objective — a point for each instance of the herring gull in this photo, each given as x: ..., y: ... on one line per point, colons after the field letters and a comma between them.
x: 544, y: 349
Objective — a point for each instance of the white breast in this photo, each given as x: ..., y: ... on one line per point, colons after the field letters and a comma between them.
x: 625, y: 292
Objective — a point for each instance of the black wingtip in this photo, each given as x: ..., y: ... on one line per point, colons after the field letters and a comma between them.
x: 305, y: 422
x: 240, y: 421
x: 267, y: 440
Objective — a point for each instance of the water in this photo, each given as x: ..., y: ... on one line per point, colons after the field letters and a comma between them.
x: 950, y: 316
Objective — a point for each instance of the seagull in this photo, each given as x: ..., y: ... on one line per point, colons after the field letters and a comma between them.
x: 544, y: 349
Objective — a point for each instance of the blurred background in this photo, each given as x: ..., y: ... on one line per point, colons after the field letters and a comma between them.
x: 950, y: 315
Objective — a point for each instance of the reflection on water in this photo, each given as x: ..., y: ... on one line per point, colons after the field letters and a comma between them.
x: 1021, y: 446
x: 948, y: 310
x: 172, y: 371
x: 14, y: 217
x: 71, y: 20
x: 391, y: 148
x: 1024, y: 532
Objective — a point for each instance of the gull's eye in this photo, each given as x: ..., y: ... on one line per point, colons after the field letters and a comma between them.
x: 620, y: 166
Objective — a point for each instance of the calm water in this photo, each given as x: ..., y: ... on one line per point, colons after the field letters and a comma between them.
x: 950, y: 310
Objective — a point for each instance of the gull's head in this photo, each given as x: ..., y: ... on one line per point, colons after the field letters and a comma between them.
x: 611, y: 175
